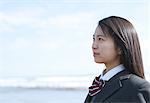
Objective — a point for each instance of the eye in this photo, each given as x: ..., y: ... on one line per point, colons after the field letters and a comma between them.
x: 100, y: 39
x: 93, y: 38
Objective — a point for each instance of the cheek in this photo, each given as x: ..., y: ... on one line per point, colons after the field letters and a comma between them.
x: 109, y: 50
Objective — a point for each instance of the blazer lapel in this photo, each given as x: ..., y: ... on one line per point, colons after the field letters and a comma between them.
x: 88, y: 99
x: 108, y: 90
x: 113, y: 85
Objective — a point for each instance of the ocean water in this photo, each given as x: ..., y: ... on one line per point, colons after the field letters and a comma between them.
x: 53, y: 89
x: 56, y: 89
x: 21, y: 95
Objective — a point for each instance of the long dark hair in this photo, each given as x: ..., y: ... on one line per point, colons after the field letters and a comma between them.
x: 126, y: 39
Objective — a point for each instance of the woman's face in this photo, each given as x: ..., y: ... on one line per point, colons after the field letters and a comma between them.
x: 104, y: 49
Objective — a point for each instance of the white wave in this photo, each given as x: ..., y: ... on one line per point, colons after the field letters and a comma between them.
x: 72, y: 82
x: 62, y: 82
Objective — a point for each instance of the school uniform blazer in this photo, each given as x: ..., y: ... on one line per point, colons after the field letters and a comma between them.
x: 123, y: 88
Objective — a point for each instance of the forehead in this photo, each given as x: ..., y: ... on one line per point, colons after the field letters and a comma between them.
x: 99, y: 31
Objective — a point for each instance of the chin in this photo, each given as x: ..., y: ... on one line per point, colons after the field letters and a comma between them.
x: 99, y: 62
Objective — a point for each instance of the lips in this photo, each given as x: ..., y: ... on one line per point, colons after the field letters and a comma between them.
x: 96, y: 54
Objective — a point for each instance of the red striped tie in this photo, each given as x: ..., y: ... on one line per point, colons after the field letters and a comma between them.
x: 96, y: 87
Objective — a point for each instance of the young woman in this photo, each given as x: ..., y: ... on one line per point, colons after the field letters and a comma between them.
x: 116, y: 44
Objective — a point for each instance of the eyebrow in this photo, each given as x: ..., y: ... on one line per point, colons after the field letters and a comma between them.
x: 99, y: 35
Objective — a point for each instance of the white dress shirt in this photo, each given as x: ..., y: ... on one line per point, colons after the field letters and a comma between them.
x: 112, y: 72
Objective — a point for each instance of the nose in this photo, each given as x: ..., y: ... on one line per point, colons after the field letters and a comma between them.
x: 94, y: 45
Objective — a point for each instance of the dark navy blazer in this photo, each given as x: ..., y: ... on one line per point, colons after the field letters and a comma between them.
x: 123, y: 88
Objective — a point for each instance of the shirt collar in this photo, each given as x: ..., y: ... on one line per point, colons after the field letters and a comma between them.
x: 112, y: 72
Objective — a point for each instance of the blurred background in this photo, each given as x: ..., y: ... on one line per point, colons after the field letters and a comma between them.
x: 45, y: 46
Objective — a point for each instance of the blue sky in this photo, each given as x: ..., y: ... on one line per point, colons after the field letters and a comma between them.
x: 45, y: 37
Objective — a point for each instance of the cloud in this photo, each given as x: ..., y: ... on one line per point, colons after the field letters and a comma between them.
x: 146, y: 55
x: 50, y: 45
x: 20, y: 43
x: 74, y: 20
x: 10, y: 21
x: 4, y: 27
x: 104, y: 1
x: 35, y: 19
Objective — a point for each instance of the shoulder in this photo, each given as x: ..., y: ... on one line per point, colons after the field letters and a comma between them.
x: 135, y: 81
x: 137, y: 84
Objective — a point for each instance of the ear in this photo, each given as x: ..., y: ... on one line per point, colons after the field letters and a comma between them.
x: 119, y: 51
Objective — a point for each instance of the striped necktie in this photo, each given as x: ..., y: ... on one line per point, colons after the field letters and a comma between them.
x: 96, y: 87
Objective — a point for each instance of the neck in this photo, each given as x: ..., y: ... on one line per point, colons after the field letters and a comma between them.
x: 111, y: 66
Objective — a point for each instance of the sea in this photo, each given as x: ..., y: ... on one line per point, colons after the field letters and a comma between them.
x: 54, y: 89
x: 20, y: 95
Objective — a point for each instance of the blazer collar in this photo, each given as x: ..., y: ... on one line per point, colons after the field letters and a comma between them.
x: 113, y: 85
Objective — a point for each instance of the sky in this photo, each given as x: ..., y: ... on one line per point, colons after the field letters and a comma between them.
x: 54, y: 37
